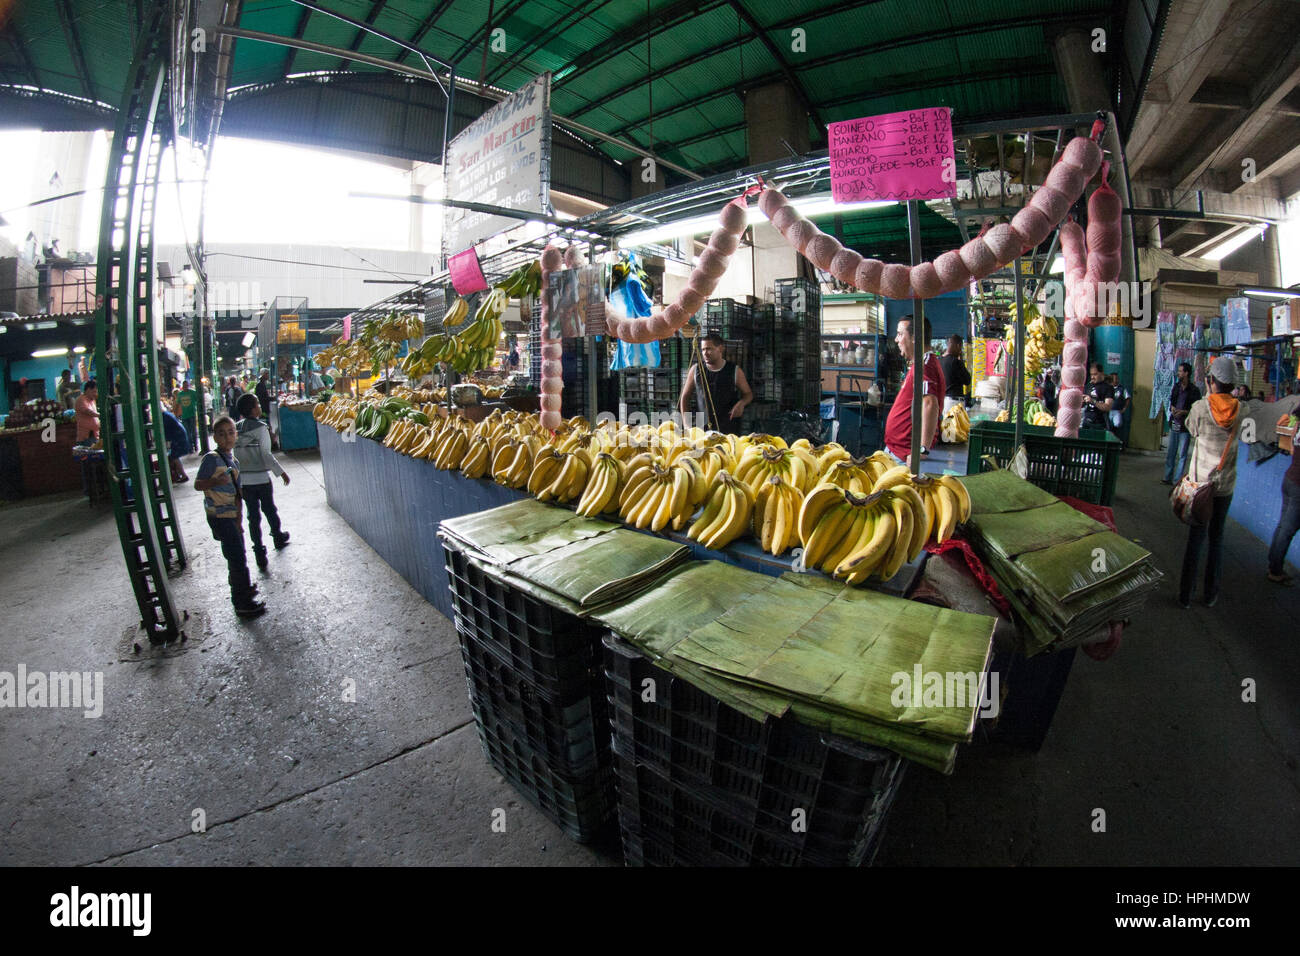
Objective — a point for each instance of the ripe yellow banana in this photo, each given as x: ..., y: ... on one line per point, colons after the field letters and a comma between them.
x: 857, y: 567
x: 834, y: 523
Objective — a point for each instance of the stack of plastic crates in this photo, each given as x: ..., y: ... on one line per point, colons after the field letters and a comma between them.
x: 798, y: 344
x: 700, y: 784
x: 728, y: 318
x: 537, y: 691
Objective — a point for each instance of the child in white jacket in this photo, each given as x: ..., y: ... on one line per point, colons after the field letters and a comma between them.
x: 253, y: 448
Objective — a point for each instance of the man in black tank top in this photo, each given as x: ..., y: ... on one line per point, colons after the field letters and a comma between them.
x: 723, y: 392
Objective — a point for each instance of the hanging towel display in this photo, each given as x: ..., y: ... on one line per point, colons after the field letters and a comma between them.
x: 628, y: 300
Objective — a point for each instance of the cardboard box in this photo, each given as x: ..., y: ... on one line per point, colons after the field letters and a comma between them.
x: 1286, y: 317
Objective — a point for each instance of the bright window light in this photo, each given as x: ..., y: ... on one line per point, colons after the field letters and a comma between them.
x: 1057, y: 267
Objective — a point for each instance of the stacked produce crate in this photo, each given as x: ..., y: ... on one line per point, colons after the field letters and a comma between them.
x: 573, y: 399
x: 701, y: 784
x: 536, y: 689
x: 798, y: 344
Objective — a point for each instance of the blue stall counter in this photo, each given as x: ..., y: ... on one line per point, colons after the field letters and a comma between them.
x: 1257, y: 499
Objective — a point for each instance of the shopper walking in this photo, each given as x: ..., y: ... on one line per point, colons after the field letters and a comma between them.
x: 187, y: 410
x: 1181, y: 399
x: 1212, y: 422
x: 218, y: 479
x: 1287, y: 524
x: 956, y: 375
x: 254, y: 449
x: 1098, y: 398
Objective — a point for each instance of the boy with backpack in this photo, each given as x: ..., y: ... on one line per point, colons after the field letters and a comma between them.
x: 218, y: 479
x: 254, y: 447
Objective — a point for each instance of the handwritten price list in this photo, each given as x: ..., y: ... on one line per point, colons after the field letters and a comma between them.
x: 900, y: 156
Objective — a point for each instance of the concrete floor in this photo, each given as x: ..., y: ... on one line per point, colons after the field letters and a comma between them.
x: 249, y: 724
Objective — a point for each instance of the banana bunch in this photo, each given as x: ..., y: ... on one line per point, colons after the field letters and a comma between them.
x: 605, y: 481
x: 1035, y: 414
x: 486, y: 328
x: 558, y: 476
x: 513, y: 463
x: 728, y: 511
x: 406, y: 436
x: 776, y: 514
x: 851, y: 536
x: 477, y: 458
x: 452, y: 445
x: 657, y: 494
x: 523, y: 282
x: 338, y: 413
x: 946, y: 504
x: 1042, y: 342
x: 857, y: 474
x: 955, y: 427
x: 759, y: 462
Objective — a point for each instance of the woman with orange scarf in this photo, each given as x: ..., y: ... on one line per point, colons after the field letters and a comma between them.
x: 1212, y: 423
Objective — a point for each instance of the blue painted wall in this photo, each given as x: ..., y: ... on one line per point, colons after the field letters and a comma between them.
x: 948, y: 314
x: 48, y: 369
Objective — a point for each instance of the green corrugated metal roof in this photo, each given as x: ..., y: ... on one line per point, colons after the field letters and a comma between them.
x: 986, y: 59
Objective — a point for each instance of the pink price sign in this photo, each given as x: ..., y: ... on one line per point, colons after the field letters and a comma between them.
x: 900, y: 156
x: 466, y: 273
x: 347, y: 328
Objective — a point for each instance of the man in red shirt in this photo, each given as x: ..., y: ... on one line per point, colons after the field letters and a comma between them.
x: 898, y: 426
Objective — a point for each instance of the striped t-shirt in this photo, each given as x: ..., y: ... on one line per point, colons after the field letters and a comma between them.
x: 220, y: 501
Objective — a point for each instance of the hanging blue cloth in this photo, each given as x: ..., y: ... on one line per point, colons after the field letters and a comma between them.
x: 629, y: 298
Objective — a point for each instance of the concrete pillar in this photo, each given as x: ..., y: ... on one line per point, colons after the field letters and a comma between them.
x: 774, y: 117
x: 68, y: 155
x: 1083, y: 70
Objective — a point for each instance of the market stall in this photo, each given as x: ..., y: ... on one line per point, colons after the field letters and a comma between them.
x: 36, y: 451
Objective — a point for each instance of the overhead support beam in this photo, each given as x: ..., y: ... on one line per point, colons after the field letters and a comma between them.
x: 541, y: 39
x: 67, y: 19
x: 298, y: 32
x: 1228, y: 137
x: 1172, y: 88
x: 854, y: 53
x: 786, y: 70
x: 478, y: 37
x: 423, y: 74
x: 423, y: 30
x: 16, y: 41
x: 375, y: 9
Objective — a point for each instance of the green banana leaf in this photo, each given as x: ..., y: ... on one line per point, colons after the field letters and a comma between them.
x: 1071, y: 571
x: 596, y: 570
x: 1016, y: 533
x: 522, y: 529
x: 996, y: 492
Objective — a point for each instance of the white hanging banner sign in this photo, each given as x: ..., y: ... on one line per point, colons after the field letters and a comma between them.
x: 503, y: 159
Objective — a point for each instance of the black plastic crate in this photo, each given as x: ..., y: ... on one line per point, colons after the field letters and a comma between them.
x: 558, y: 653
x: 667, y: 824
x: 760, y: 772
x: 573, y: 734
x: 582, y: 805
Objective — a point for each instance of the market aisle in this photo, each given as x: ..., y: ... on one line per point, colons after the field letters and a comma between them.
x: 249, y: 724
x: 1157, y: 736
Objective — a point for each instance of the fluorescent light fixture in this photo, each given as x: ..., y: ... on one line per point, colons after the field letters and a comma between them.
x: 812, y: 207
x: 1272, y: 293
x: 48, y: 353
x: 79, y: 349
x: 249, y: 339
x: 1232, y: 243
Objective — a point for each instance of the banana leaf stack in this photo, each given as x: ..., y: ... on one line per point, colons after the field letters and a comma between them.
x: 566, y: 560
x: 1066, y: 575
x: 829, y: 654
